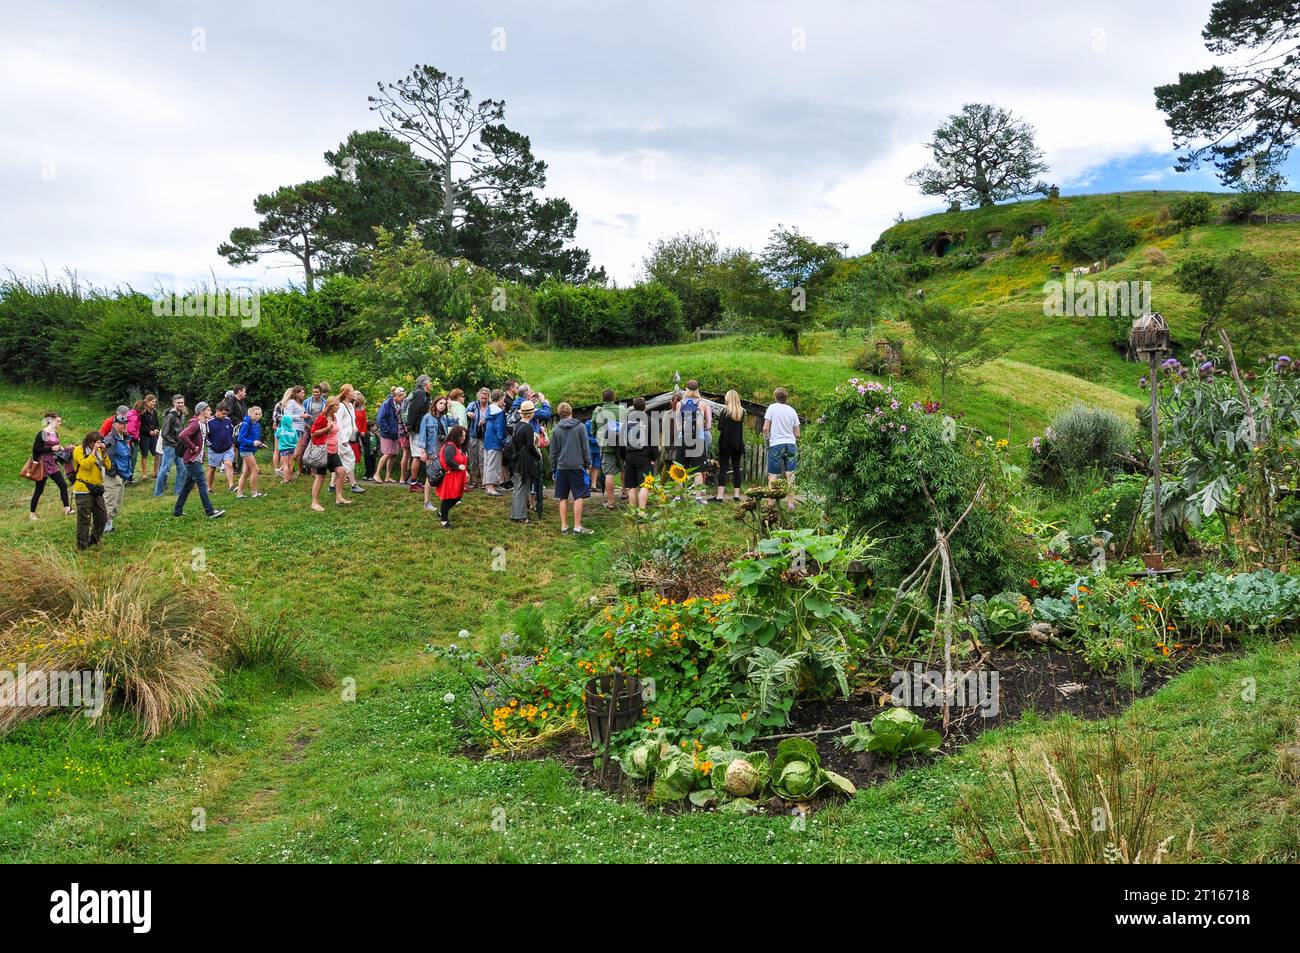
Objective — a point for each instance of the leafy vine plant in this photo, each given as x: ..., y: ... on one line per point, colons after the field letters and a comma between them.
x: 792, y: 625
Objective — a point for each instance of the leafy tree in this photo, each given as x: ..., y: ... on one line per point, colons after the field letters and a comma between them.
x: 868, y: 289
x: 294, y: 221
x: 1220, y: 283
x: 484, y: 177
x: 1257, y: 188
x: 405, y: 280
x: 955, y: 341
x: 1262, y: 320
x: 1235, y: 114
x: 377, y: 181
x: 687, y: 263
x: 1102, y: 239
x: 982, y: 155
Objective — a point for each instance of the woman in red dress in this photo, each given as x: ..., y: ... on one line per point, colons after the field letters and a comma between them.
x: 454, y: 460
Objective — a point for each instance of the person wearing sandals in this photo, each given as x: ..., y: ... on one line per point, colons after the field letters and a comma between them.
x: 525, y: 462
x: 325, y: 432
x: 45, y: 451
x: 249, y: 440
x: 455, y: 464
x: 731, y: 445
x: 389, y: 421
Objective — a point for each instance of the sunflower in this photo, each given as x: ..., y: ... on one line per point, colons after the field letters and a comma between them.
x: 678, y: 473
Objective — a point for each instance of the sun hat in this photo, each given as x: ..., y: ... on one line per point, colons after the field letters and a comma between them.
x: 526, y: 409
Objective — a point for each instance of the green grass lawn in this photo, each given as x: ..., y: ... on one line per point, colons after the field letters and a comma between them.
x: 292, y: 772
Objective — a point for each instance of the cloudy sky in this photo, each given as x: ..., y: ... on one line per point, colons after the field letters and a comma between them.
x: 137, y: 133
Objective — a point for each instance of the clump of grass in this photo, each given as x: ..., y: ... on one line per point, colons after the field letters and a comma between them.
x: 1083, y: 800
x: 158, y: 639
x: 276, y: 647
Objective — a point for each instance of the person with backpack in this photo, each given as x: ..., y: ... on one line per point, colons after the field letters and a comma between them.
x: 607, y: 422
x: 173, y: 422
x: 571, y: 456
x: 417, y: 406
x: 693, y: 422
x: 525, y: 461
x: 434, y: 430
x: 236, y: 401
x: 453, y: 466
x: 193, y: 441
x: 46, y: 451
x: 117, y: 449
x: 639, y: 454
x: 731, y: 445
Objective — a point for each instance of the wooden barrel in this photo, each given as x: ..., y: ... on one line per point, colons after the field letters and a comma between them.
x: 627, y: 705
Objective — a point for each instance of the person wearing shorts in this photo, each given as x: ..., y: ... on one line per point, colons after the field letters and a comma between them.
x: 571, y: 454
x: 221, y: 446
x: 639, y: 454
x: 781, y: 428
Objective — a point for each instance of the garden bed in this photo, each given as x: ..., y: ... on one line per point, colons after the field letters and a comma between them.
x: 1048, y: 682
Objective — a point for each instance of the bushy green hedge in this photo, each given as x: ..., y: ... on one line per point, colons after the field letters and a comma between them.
x: 1080, y: 441
x: 113, y: 346
x: 592, y: 316
x: 1102, y: 239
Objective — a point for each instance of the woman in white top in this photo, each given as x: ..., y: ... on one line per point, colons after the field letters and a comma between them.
x: 346, y: 418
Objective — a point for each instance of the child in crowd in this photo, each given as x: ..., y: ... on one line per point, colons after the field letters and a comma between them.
x: 249, y: 440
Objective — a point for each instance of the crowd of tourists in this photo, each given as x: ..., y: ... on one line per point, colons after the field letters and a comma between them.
x: 505, y: 442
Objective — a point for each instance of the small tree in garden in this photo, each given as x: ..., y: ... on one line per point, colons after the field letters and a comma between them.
x: 955, y: 341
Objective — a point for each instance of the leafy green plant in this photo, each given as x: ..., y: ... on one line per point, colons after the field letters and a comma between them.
x: 797, y: 773
x: 790, y: 628
x: 893, y: 732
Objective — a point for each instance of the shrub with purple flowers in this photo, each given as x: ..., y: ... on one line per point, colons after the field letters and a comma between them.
x: 876, y: 458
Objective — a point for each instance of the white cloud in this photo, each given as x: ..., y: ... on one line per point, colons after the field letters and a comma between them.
x: 653, y: 119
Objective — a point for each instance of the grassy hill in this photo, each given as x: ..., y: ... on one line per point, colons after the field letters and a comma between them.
x: 1047, y: 362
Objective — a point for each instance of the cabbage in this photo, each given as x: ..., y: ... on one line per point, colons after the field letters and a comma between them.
x: 798, y: 780
x: 640, y: 759
x: 797, y: 773
x: 674, y: 776
x: 893, y: 732
x: 741, y: 778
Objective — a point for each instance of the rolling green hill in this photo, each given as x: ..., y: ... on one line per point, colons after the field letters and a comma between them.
x: 1048, y: 362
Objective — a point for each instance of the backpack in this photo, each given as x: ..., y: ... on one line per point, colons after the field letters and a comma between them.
x: 433, y: 470
x: 508, y: 451
x: 692, y: 423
